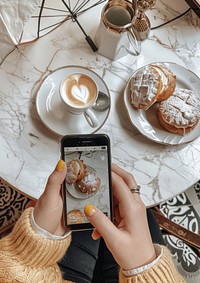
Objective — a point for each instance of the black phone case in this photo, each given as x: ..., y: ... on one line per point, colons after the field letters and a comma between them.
x: 85, y: 140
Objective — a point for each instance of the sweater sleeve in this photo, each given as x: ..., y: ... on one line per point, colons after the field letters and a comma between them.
x: 27, y: 257
x: 163, y: 271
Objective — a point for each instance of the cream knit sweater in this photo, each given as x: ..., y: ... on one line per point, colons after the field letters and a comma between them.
x: 27, y: 257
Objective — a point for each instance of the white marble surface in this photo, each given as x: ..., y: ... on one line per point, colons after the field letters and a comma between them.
x: 29, y: 151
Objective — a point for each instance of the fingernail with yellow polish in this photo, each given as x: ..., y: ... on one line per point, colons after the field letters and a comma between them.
x: 89, y: 209
x: 60, y: 165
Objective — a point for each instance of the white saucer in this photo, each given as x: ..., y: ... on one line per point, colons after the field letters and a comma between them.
x: 146, y: 121
x: 52, y: 111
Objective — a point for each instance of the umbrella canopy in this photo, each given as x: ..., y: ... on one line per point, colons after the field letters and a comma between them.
x: 23, y: 21
x: 13, y: 16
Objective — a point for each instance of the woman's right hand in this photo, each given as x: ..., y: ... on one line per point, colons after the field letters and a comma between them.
x: 129, y: 240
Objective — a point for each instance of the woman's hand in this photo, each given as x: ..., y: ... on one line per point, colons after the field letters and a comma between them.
x: 49, y: 207
x: 129, y: 240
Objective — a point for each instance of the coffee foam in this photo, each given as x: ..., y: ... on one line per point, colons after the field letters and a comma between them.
x: 79, y: 90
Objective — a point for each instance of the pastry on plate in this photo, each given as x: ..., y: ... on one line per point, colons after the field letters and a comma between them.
x: 74, y: 216
x: 168, y: 82
x: 75, y: 171
x: 180, y: 113
x: 90, y: 184
x: 150, y: 84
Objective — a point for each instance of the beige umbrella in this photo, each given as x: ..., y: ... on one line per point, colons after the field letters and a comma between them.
x: 23, y: 21
x: 14, y: 14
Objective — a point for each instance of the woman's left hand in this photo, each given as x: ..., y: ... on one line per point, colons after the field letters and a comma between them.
x: 48, y: 210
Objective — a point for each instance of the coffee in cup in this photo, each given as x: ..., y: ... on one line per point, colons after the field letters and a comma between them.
x: 116, y: 36
x: 79, y: 93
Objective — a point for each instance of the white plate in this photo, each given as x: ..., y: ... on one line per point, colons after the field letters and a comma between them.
x: 146, y: 121
x: 72, y: 190
x: 53, y: 113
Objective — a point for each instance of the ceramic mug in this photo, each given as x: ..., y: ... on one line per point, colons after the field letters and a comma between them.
x: 116, y: 36
x: 79, y: 93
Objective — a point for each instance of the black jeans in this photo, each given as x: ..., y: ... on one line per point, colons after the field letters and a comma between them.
x: 89, y: 261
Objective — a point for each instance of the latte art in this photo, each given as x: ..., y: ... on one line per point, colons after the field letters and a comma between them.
x: 80, y: 90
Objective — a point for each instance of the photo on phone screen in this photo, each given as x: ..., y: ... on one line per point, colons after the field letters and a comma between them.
x: 88, y: 179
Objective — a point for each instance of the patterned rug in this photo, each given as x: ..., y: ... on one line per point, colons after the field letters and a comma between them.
x: 12, y: 204
x: 183, y: 210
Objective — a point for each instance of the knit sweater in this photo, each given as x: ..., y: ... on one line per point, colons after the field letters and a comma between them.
x: 27, y: 257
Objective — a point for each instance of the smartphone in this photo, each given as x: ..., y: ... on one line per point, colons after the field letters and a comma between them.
x: 88, y: 178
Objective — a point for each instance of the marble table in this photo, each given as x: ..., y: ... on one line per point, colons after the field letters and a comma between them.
x: 29, y: 151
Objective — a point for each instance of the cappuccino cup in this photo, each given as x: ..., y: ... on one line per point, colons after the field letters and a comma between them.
x: 79, y: 93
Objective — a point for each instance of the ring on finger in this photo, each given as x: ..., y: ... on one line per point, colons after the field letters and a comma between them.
x: 136, y: 190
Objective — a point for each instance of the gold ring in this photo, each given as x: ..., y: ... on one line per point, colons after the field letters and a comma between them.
x: 136, y: 190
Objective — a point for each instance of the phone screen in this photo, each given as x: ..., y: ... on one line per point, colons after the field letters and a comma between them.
x: 87, y: 179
